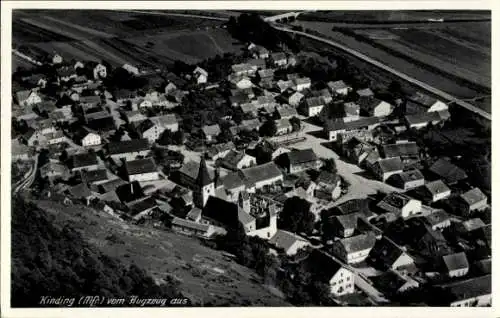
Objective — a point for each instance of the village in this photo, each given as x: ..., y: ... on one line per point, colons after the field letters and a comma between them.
x: 329, y: 174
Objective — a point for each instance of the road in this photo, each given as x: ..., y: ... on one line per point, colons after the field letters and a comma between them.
x: 26, y: 183
x: 389, y: 69
x: 186, y: 15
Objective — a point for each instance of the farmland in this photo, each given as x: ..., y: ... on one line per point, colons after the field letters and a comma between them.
x: 120, y: 37
x: 455, y: 64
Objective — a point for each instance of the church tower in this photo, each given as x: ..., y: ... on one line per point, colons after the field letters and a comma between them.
x: 204, y: 186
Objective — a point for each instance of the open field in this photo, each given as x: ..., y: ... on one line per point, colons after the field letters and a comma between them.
x: 119, y: 37
x: 393, y: 16
x: 450, y: 83
x: 205, y: 275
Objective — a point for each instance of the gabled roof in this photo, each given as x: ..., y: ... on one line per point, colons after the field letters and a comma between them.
x: 146, y: 165
x: 473, y: 196
x: 301, y: 156
x: 164, y: 121
x: 423, y: 99
x: 212, y: 130
x: 233, y: 158
x: 260, y: 63
x: 448, y: 171
x: 421, y: 118
x: 94, y: 175
x: 191, y: 169
x: 278, y: 56
x: 436, y: 187
x: 142, y: 205
x: 357, y: 243
x: 337, y: 85
x: 470, y: 288
x: 471, y: 225
x: 283, y: 123
x: 437, y: 217
x: 266, y: 73
x: 396, y: 199
x: 339, y: 124
x: 248, y: 108
x: 327, y: 178
x: 455, y: 261
x: 353, y: 206
x: 321, y: 265
x: 365, y: 92
x: 80, y: 191
x: 190, y: 224
x: 221, y: 211
x: 250, y: 124
x: 261, y: 172
x: 285, y: 240
x: 390, y: 164
x: 348, y: 221
x: 286, y: 111
x: 369, y: 104
x: 400, y: 149
x: 84, y: 159
x: 127, y: 146
x: 386, y: 251
x: 315, y: 101
x: 409, y: 176
x: 233, y: 180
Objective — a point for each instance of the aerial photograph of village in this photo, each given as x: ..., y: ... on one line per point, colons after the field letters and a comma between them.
x: 186, y: 158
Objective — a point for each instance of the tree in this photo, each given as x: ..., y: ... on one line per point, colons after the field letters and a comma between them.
x: 165, y: 138
x: 296, y: 216
x: 330, y: 165
x: 178, y: 137
x: 296, y: 124
x: 268, y: 129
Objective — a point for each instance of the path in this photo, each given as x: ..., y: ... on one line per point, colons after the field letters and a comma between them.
x: 29, y: 179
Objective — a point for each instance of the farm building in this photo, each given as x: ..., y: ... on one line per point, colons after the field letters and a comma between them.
x: 289, y: 242
x: 384, y: 168
x: 299, y: 160
x: 354, y: 249
x: 448, y: 172
x: 141, y: 170
x: 400, y: 204
x: 472, y: 200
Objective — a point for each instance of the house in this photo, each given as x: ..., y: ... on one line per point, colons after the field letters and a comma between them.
x: 302, y: 83
x: 384, y: 168
x: 236, y: 160
x: 339, y: 278
x: 473, y: 292
x: 240, y: 82
x: 404, y: 150
x: 249, y: 109
x: 264, y: 101
x: 335, y: 128
x: 242, y: 69
x: 299, y: 160
x: 470, y: 225
x: 450, y: 173
x: 222, y: 213
x: 189, y: 172
x: 200, y: 75
x: 131, y: 69
x: 387, y: 255
x: 81, y: 192
x: 400, y: 204
x: 286, y: 112
x: 19, y: 151
x: 392, y: 283
x: 192, y: 228
x: 438, y: 220
x: 436, y: 190
x: 291, y: 97
x: 52, y: 170
x: 351, y: 110
x: 339, y: 87
x: 211, y: 132
x: 422, y: 120
x: 344, y: 225
x: 56, y: 137
x: 34, y: 138
x: 142, y: 207
x: 353, y: 206
x: 141, y: 170
x: 472, y: 200
x: 152, y: 128
x: 364, y: 93
x: 407, y: 180
x: 354, y: 249
x: 312, y: 106
x: 328, y: 186
x: 100, y: 71
x: 258, y: 51
x: 57, y: 59
x: 374, y: 107
x: 455, y: 265
x: 431, y: 243
x: 90, y: 139
x: 250, y: 124
x: 257, y: 64
x: 357, y: 150
x: 128, y: 149
x: 278, y: 59
x: 94, y: 177
x: 81, y: 161
x: 220, y: 150
x: 257, y: 177
x: 430, y: 103
x: 283, y: 126
x: 266, y: 74
x: 289, y: 242
x: 28, y: 97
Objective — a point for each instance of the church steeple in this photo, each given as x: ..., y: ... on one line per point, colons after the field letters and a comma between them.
x: 203, y: 177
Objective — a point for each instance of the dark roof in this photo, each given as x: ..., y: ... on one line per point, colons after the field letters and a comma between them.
x: 357, y: 243
x: 386, y: 251
x: 423, y: 118
x: 142, y: 205
x: 233, y: 180
x: 222, y: 211
x: 126, y: 146
x: 436, y: 187
x: 321, y: 265
x: 448, y: 171
x: 139, y: 166
x: 348, y: 221
x: 469, y: 288
x: 84, y: 159
x: 390, y: 164
x: 396, y: 199
x: 328, y: 178
x: 400, y: 149
x: 369, y: 104
x: 455, y: 261
x: 423, y: 99
x: 408, y: 176
x: 301, y: 156
x: 111, y: 185
x: 80, y: 191
x: 473, y: 196
x: 190, y: 224
x: 94, y: 175
x: 261, y: 172
x: 233, y: 157
x: 203, y: 177
x: 339, y: 124
x: 437, y: 217
x: 191, y: 169
x: 129, y: 192
x: 353, y: 206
